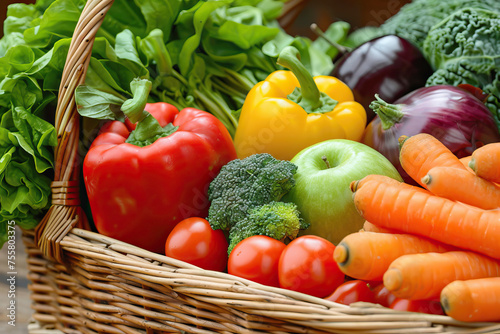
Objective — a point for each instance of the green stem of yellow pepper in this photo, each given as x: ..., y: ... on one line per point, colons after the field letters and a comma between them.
x: 308, y: 95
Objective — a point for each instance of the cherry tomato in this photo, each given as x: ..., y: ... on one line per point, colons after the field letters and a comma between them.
x: 352, y: 291
x: 307, y: 265
x: 422, y: 306
x: 256, y: 258
x: 383, y: 296
x: 193, y: 241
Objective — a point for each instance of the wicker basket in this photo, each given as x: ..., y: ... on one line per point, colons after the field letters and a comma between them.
x: 83, y: 282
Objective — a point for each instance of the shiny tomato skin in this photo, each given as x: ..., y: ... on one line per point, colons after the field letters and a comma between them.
x: 421, y: 306
x: 383, y: 296
x: 307, y: 265
x: 193, y: 241
x: 352, y: 291
x: 256, y: 258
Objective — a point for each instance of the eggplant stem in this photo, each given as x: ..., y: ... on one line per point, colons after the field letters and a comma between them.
x: 342, y: 49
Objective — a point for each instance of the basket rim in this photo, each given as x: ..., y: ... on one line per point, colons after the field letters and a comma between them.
x: 89, y: 249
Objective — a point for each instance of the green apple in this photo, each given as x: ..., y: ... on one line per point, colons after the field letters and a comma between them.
x: 322, y: 193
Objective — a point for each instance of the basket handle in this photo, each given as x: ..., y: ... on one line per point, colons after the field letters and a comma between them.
x: 65, y: 211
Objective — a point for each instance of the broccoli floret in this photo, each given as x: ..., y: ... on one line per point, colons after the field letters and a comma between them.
x: 243, y: 184
x: 278, y: 220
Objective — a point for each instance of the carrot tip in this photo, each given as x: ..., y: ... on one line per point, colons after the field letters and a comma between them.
x: 402, y: 139
x: 445, y: 304
x: 341, y: 254
x: 393, y: 279
x: 472, y: 164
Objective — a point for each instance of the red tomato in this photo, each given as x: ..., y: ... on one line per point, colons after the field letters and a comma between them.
x: 383, y: 296
x: 307, y: 265
x: 193, y: 241
x: 352, y: 291
x: 422, y: 306
x: 256, y: 258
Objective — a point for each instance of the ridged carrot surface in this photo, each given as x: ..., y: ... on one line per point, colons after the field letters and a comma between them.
x: 370, y: 227
x: 424, y: 275
x: 421, y: 152
x: 463, y: 186
x: 485, y: 162
x: 416, y: 212
x: 367, y: 255
x: 472, y: 300
x: 465, y: 161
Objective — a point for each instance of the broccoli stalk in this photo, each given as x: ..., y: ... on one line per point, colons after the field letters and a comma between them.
x: 239, y: 194
x: 277, y: 220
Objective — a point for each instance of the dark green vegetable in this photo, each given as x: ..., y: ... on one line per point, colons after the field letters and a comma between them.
x: 465, y: 49
x: 244, y: 184
x: 278, y: 220
x: 414, y: 20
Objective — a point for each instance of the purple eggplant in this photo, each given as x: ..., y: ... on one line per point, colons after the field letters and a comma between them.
x: 388, y: 65
x: 454, y: 115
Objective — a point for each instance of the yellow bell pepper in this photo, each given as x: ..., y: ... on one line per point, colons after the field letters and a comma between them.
x: 292, y: 110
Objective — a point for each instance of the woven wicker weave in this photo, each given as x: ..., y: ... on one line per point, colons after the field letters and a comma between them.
x: 83, y: 282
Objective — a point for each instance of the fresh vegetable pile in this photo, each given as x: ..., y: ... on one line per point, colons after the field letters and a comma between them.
x: 436, y: 242
x: 361, y: 166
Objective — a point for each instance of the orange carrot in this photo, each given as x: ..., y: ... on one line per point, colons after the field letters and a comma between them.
x: 367, y: 255
x: 485, y: 162
x: 424, y: 214
x: 384, y: 179
x: 465, y: 161
x: 370, y: 227
x: 421, y: 152
x: 472, y: 300
x: 463, y: 186
x: 424, y: 275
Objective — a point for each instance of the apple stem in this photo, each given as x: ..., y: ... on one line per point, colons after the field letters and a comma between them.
x: 326, y: 161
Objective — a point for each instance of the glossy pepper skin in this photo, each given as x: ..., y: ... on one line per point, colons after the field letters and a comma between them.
x: 138, y: 194
x: 281, y: 119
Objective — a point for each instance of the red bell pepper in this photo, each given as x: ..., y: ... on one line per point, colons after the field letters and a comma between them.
x: 142, y: 180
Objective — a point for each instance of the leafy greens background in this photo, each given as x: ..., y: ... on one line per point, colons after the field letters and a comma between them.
x: 205, y: 54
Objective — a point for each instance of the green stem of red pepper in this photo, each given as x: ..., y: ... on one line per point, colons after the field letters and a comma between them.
x: 147, y: 130
x: 134, y: 108
x: 308, y: 95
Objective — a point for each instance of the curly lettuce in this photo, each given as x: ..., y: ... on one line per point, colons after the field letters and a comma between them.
x: 464, y: 48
